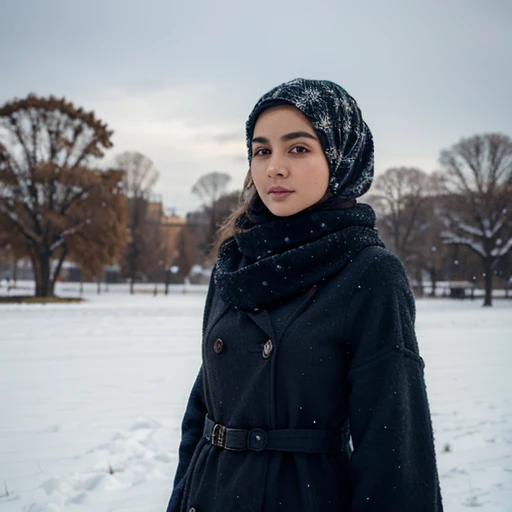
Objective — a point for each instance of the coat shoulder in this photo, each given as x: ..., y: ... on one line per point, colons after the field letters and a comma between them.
x: 381, y: 266
x: 375, y: 268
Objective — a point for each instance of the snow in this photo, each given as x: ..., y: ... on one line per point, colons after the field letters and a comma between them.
x: 92, y: 397
x: 480, y: 234
x: 501, y: 250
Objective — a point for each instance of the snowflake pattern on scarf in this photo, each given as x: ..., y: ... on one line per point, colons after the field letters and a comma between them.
x: 334, y: 114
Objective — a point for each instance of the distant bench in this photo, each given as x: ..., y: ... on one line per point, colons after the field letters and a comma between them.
x: 458, y: 289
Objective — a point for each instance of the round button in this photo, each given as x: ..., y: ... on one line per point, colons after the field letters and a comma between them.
x: 218, y: 345
x: 192, y: 509
x: 267, y: 349
x: 257, y: 440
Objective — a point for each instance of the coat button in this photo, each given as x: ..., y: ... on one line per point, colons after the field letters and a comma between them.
x: 192, y: 509
x: 267, y: 349
x: 218, y: 345
x: 257, y: 440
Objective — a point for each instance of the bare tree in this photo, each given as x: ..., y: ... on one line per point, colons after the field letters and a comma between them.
x: 224, y: 206
x: 140, y: 178
x: 140, y: 174
x: 47, y: 148
x: 157, y: 254
x: 399, y: 196
x: 210, y: 187
x: 431, y: 253
x: 478, y: 174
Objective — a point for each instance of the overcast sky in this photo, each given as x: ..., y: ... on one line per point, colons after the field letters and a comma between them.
x: 177, y: 80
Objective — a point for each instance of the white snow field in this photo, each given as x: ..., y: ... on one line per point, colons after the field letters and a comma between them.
x: 92, y: 395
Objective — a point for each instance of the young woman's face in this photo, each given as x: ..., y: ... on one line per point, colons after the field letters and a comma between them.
x: 287, y: 156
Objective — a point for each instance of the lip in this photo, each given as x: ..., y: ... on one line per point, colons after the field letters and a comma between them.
x: 278, y: 190
x: 279, y: 195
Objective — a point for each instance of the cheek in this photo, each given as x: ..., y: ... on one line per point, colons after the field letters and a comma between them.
x: 256, y: 176
x: 320, y: 175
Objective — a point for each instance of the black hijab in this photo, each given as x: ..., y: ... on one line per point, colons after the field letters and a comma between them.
x: 271, y: 258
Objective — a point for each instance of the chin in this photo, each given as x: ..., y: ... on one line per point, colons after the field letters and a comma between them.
x: 282, y: 210
x: 283, y: 214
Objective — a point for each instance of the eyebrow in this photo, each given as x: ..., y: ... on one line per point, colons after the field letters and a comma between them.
x: 286, y: 137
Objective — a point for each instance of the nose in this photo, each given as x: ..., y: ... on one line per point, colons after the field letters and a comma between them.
x: 277, y: 166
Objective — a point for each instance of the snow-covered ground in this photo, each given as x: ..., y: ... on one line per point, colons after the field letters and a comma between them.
x: 92, y: 395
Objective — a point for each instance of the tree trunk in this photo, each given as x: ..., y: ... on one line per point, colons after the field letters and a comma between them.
x: 214, y: 225
x: 419, y: 279
x: 14, y: 269
x: 131, y: 284
x: 58, y: 268
x: 433, y: 279
x: 167, y: 272
x: 488, y: 282
x: 44, y: 286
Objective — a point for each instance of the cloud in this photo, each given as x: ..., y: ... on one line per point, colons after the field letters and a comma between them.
x: 182, y: 129
x: 228, y: 137
x: 176, y: 122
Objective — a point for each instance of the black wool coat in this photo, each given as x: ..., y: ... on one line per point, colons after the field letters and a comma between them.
x: 342, y: 354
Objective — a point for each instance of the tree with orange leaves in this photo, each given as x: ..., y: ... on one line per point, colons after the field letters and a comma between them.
x: 54, y: 201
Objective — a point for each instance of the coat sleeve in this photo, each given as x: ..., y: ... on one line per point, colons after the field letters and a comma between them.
x: 191, y: 433
x: 193, y: 420
x: 393, y: 463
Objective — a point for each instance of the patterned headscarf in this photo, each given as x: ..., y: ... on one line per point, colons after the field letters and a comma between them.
x: 345, y: 138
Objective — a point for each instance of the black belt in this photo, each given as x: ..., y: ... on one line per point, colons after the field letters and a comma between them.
x: 286, y: 440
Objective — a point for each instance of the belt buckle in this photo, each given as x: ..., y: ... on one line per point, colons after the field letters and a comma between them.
x: 219, y: 435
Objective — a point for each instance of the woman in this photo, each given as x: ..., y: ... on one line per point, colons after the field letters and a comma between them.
x: 311, y: 395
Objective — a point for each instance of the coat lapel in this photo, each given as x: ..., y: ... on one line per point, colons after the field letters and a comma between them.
x: 262, y: 319
x: 219, y: 307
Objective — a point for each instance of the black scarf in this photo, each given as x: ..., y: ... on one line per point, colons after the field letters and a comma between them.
x: 275, y: 258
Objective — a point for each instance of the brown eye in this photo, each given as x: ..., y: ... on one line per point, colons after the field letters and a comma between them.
x: 300, y: 149
x: 261, y: 151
